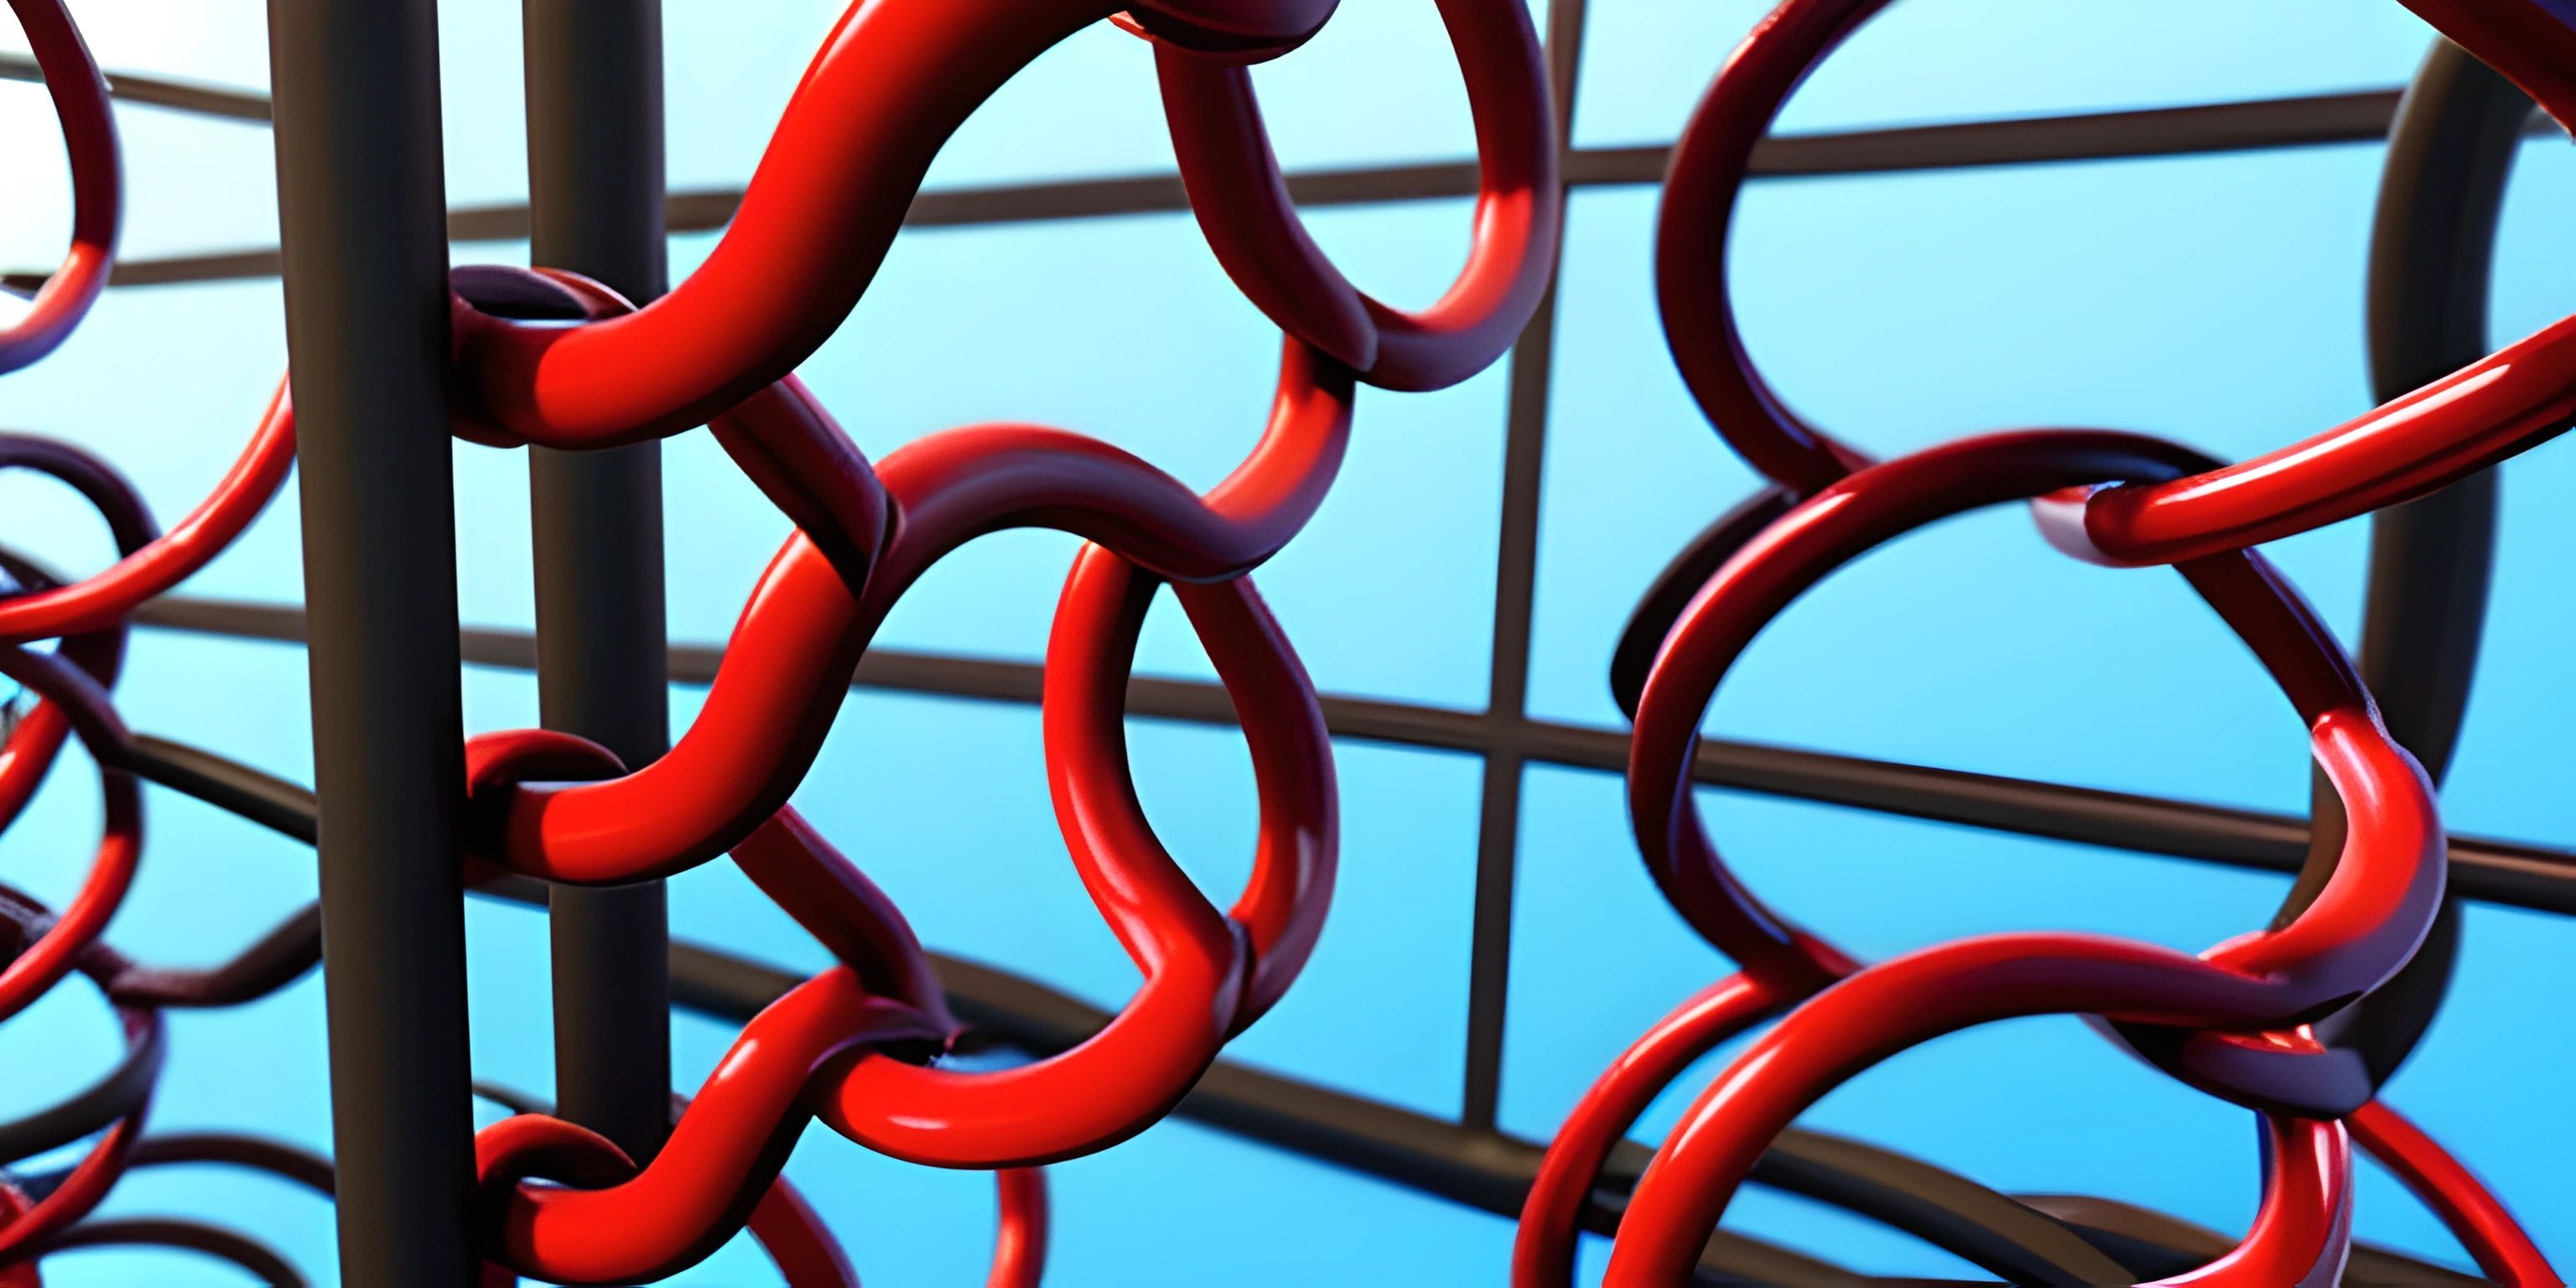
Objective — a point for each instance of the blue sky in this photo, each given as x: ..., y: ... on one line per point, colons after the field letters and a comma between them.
x: 2216, y: 300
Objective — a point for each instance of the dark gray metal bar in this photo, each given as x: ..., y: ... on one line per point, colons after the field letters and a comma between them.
x: 2482, y: 868
x: 361, y: 205
x: 1489, y: 964
x: 595, y: 182
x: 177, y: 95
x: 2432, y: 250
x: 2319, y: 120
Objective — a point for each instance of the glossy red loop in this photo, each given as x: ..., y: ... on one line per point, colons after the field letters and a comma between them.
x: 79, y: 1193
x: 1244, y: 209
x: 1241, y: 32
x: 803, y: 631
x: 888, y: 86
x: 2473, y: 1214
x: 151, y: 566
x: 1887, y: 1008
x: 2533, y: 44
x: 77, y: 696
x: 2362, y: 927
x: 2392, y: 810
x: 2520, y: 397
x: 15, y: 1204
x: 722, y: 1155
x: 1552, y: 1215
x: 1206, y: 976
x: 89, y: 135
x: 788, y: 1229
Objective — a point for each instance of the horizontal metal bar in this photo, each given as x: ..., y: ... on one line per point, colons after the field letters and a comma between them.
x: 1493, y: 1171
x: 2305, y: 121
x: 189, y: 97
x: 2492, y: 871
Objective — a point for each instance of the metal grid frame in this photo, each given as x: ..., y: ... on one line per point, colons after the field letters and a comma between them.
x: 1433, y: 1155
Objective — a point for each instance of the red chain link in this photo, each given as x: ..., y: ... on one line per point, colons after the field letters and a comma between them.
x: 2230, y: 1021
x: 859, y: 1045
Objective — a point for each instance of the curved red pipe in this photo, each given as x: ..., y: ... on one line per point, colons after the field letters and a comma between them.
x: 2363, y: 925
x: 89, y: 135
x: 1245, y: 212
x: 2474, y: 1215
x: 2520, y: 397
x: 803, y: 631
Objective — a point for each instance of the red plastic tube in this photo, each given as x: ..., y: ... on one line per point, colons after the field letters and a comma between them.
x: 2502, y: 405
x: 1020, y: 1246
x: 803, y: 631
x: 89, y: 135
x: 74, y: 694
x: 1551, y: 1217
x: 2532, y: 43
x: 882, y: 95
x: 798, y: 1242
x: 80, y: 1192
x: 1244, y: 210
x: 1889, y: 1007
x: 2475, y: 1216
x: 14, y: 1204
x: 722, y: 1155
x: 2363, y: 925
x: 152, y: 566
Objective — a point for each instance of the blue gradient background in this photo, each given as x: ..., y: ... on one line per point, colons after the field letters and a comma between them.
x: 2216, y: 300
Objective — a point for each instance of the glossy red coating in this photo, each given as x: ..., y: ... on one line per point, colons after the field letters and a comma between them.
x: 2362, y: 927
x: 802, y: 631
x: 105, y: 599
x: 1243, y: 208
x: 889, y: 85
x: 1543, y: 1250
x: 98, y: 187
x: 861, y: 1045
x: 14, y: 1205
x: 75, y: 695
x: 2474, y: 1215
x: 79, y: 1193
x: 2522, y: 396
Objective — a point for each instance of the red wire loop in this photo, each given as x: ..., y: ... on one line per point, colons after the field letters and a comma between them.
x: 89, y: 134
x: 803, y: 630
x: 1244, y: 210
x: 1232, y: 31
x: 2516, y: 399
x: 2361, y: 928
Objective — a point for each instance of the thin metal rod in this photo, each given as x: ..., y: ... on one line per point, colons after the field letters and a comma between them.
x: 594, y: 76
x: 2432, y: 250
x: 1492, y: 1170
x: 1489, y: 963
x: 2482, y: 868
x: 2312, y: 121
x: 361, y: 205
x: 187, y: 97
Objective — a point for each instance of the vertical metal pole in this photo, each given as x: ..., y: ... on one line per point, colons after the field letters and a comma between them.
x: 362, y: 208
x: 1489, y: 966
x: 594, y: 73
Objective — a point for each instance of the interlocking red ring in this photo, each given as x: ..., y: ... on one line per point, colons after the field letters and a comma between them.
x: 2361, y: 928
x: 802, y: 631
x: 1244, y: 209
x: 98, y: 186
x: 2520, y: 397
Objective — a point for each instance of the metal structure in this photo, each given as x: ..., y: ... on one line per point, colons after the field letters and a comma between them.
x: 393, y: 353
